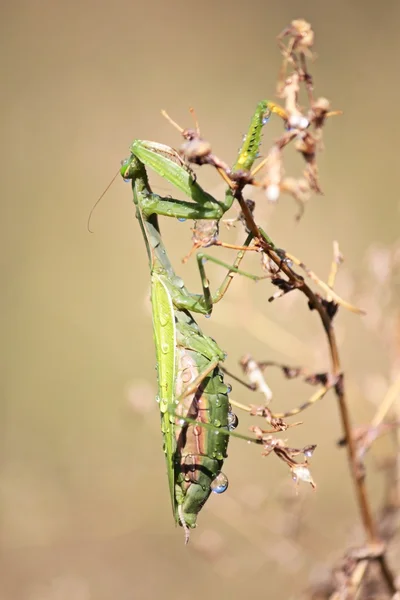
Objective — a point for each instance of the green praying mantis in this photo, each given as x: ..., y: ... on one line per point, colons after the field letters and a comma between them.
x: 196, y: 417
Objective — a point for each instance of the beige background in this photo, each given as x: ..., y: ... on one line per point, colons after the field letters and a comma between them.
x: 84, y: 503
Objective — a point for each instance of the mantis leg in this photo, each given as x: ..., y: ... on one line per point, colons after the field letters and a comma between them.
x: 232, y: 270
x: 203, y: 303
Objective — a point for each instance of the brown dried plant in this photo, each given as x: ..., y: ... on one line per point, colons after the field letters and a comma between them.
x: 365, y: 568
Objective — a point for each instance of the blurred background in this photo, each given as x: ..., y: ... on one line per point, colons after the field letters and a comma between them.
x: 84, y: 504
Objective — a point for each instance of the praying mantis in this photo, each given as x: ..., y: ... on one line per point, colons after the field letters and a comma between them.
x: 196, y: 417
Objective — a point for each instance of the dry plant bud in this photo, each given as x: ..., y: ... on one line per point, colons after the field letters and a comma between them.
x: 319, y: 111
x: 277, y: 423
x: 268, y: 265
x: 300, y: 470
x: 290, y: 92
x: 302, y: 36
x: 324, y: 379
x: 195, y: 149
x: 306, y: 144
x: 253, y: 372
x: 284, y: 288
x: 205, y: 233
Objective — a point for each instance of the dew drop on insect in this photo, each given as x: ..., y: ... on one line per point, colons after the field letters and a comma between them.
x: 182, y: 219
x: 181, y: 422
x: 219, y: 456
x: 220, y: 484
x: 178, y: 281
x: 265, y: 120
x: 228, y: 388
x: 233, y: 421
x: 164, y: 319
x: 158, y: 399
x: 208, y: 316
x: 217, y: 423
x: 164, y: 348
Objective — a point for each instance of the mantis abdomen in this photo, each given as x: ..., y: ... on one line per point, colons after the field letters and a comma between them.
x: 200, y: 452
x: 190, y: 385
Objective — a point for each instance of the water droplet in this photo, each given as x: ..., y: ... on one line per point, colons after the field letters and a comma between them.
x: 164, y: 348
x: 304, y: 123
x: 182, y: 219
x: 178, y: 281
x: 265, y: 120
x: 126, y: 180
x: 272, y: 192
x: 208, y: 316
x: 220, y: 484
x: 181, y: 422
x: 164, y: 427
x: 228, y: 388
x: 309, y: 451
x: 158, y: 399
x: 164, y: 319
x: 233, y: 421
x: 204, y: 260
x: 217, y: 423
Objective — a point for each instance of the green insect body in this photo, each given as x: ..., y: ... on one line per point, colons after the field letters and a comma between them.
x: 190, y: 382
x: 184, y: 355
x: 194, y: 455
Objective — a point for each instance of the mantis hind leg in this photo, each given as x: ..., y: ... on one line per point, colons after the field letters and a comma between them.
x: 233, y: 269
